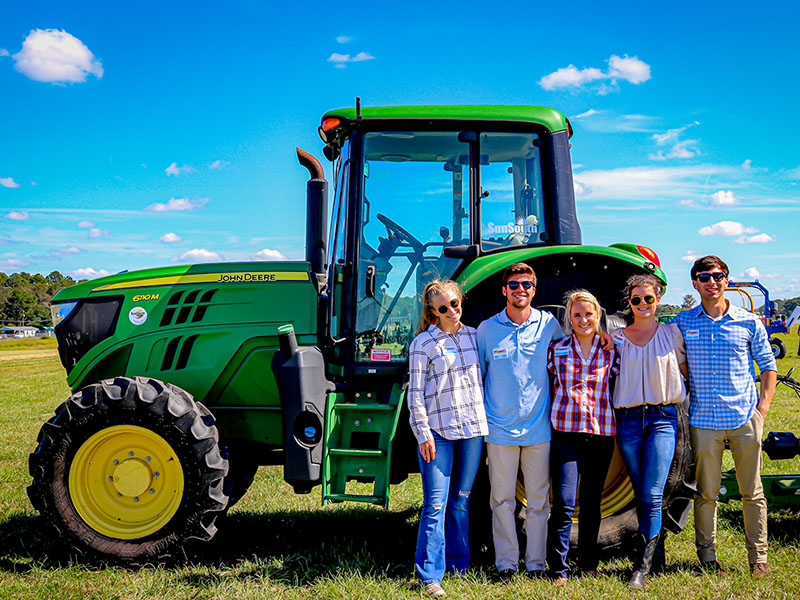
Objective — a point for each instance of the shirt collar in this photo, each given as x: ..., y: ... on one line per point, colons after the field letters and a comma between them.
x: 436, y: 332
x: 503, y: 318
x: 576, y: 346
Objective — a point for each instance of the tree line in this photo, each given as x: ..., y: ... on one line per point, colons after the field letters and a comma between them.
x: 25, y: 298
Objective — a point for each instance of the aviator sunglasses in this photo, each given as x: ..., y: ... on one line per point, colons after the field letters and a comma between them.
x: 455, y: 303
x: 526, y: 285
x: 648, y: 299
x: 706, y: 277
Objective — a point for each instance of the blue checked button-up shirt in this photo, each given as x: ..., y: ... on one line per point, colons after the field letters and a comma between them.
x: 722, y: 387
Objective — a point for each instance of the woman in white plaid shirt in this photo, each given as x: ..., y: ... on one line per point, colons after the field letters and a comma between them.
x: 445, y: 402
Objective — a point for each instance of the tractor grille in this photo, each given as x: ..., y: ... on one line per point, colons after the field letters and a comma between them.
x: 177, y: 352
x: 187, y: 307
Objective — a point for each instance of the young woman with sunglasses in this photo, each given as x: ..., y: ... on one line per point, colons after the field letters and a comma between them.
x: 447, y: 416
x: 582, y: 441
x: 647, y: 392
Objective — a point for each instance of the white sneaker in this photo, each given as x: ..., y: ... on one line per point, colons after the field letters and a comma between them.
x: 434, y: 589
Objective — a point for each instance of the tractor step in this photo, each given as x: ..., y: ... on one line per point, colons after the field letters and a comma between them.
x: 358, y: 442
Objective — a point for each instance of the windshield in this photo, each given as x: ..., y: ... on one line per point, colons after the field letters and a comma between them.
x: 415, y: 202
x: 512, y: 208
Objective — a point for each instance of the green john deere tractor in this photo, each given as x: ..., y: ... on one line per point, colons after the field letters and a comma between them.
x: 187, y: 378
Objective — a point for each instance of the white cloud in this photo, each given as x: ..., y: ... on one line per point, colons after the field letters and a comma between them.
x: 580, y: 188
x: 747, y: 164
x: 343, y: 39
x: 96, y: 232
x: 722, y: 198
x: 689, y: 202
x: 680, y: 149
x: 726, y: 228
x: 4, y: 52
x: 751, y: 273
x: 174, y: 170
x: 11, y: 264
x: 69, y: 250
x: 642, y: 183
x: 55, y: 56
x: 8, y: 182
x: 218, y: 165
x: 89, y: 273
x: 605, y: 121
x: 626, y: 68
x: 690, y: 256
x: 86, y: 224
x: 268, y: 254
x: 761, y: 238
x: 200, y: 255
x: 341, y: 60
x: 177, y: 204
x: 18, y: 215
x: 170, y: 238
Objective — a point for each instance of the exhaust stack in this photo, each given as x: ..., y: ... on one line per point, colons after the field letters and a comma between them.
x: 316, y: 216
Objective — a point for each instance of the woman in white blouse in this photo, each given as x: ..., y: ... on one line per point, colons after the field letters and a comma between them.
x: 649, y: 388
x: 445, y: 402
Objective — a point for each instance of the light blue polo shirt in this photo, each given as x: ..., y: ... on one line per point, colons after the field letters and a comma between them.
x: 513, y: 360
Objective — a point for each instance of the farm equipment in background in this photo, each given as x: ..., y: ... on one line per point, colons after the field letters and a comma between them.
x: 186, y: 379
x: 780, y: 490
x: 772, y: 324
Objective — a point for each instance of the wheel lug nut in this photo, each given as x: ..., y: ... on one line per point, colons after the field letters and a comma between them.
x: 116, y: 462
x: 147, y: 459
x: 118, y: 494
x: 156, y: 474
x: 136, y: 499
x: 110, y: 478
x: 130, y: 453
x: 152, y: 491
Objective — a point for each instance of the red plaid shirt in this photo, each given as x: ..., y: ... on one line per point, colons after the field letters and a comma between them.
x: 582, y: 398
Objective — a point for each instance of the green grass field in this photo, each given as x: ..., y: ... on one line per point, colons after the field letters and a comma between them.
x: 275, y: 544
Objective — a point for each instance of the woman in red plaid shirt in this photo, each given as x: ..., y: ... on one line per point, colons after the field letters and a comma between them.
x: 583, y: 434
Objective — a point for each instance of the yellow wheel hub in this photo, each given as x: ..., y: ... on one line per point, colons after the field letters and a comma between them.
x: 126, y: 482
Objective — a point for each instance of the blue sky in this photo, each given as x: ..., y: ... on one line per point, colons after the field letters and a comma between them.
x: 145, y: 134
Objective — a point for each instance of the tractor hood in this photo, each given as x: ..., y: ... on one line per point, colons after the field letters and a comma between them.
x: 559, y: 269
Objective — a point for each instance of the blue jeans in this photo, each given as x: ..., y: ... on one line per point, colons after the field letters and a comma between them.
x: 646, y: 436
x: 443, y: 541
x: 572, y: 455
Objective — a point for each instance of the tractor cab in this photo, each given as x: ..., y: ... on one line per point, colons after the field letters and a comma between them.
x: 419, y: 197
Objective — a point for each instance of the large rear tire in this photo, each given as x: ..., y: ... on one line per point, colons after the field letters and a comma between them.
x: 128, y: 471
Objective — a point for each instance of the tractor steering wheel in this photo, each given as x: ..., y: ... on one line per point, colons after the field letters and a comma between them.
x: 393, y: 228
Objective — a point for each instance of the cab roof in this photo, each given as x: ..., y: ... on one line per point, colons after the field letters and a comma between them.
x: 548, y: 117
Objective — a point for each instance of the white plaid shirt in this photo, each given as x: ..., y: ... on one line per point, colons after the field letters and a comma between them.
x: 722, y: 388
x: 444, y: 391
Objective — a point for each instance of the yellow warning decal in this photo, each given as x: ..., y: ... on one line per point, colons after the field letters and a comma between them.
x: 246, y: 277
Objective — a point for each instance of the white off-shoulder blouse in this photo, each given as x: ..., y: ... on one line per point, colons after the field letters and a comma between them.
x: 649, y: 374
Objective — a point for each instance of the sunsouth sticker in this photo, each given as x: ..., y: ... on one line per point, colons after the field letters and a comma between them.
x: 499, y: 353
x: 692, y: 334
x: 138, y: 315
x: 380, y: 355
x: 561, y: 351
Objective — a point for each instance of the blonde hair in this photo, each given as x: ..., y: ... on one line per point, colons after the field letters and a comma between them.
x: 433, y: 289
x: 583, y: 296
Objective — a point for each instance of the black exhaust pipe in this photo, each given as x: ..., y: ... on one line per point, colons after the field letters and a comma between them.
x: 316, y: 216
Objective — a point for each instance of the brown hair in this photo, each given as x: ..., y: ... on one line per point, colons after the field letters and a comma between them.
x: 433, y: 289
x: 519, y: 268
x: 706, y: 263
x: 583, y: 296
x: 652, y: 281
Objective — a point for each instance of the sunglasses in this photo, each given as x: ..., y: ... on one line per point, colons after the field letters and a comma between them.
x: 648, y: 299
x: 706, y: 277
x: 442, y: 310
x: 526, y: 285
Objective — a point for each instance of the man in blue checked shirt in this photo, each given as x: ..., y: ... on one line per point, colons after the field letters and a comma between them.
x: 722, y: 341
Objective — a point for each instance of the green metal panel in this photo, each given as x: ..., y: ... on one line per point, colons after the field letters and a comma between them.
x: 550, y: 118
x: 211, y: 330
x: 485, y: 266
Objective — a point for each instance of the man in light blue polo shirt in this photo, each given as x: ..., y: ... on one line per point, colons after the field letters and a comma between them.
x: 512, y: 348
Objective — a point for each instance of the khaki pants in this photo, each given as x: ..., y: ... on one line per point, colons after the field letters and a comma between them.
x: 745, y: 444
x: 504, y: 464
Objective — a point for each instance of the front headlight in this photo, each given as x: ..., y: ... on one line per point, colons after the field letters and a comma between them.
x: 59, y: 312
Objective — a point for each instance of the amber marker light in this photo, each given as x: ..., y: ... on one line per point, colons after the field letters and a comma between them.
x: 649, y: 254
x: 326, y: 126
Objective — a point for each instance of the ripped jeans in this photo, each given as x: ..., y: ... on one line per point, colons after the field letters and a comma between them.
x: 443, y: 540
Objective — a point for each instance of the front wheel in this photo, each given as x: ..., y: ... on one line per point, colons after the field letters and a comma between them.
x: 778, y: 347
x: 128, y: 470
